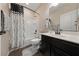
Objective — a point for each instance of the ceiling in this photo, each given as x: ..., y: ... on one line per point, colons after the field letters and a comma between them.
x: 34, y: 6
x: 55, y: 8
x: 63, y: 7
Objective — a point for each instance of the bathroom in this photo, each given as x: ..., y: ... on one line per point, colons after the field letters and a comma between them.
x: 23, y: 27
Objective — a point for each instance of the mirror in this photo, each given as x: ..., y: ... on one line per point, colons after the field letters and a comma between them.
x: 65, y: 15
x: 2, y: 23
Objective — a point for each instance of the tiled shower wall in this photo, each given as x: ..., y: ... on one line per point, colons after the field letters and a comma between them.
x: 30, y: 25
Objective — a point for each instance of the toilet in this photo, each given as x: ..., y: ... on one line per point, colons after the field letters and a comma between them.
x: 33, y: 49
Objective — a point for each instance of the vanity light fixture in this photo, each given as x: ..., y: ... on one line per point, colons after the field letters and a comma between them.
x: 27, y: 3
x: 54, y: 4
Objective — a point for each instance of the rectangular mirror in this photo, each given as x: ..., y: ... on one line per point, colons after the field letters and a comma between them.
x: 66, y: 15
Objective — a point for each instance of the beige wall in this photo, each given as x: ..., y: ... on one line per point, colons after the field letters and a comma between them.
x: 5, y: 44
x: 43, y: 11
x: 4, y: 49
x: 78, y: 23
x: 5, y: 8
x: 0, y: 45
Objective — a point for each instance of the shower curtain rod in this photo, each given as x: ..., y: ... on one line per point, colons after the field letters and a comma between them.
x: 30, y: 9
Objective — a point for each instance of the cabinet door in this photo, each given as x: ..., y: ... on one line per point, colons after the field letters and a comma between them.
x: 59, y: 52
x: 45, y: 45
x: 52, y: 50
x: 67, y: 47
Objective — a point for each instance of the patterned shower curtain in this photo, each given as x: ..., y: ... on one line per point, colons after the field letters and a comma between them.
x: 17, y: 29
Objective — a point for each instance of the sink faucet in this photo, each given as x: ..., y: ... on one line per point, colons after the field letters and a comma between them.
x: 57, y: 31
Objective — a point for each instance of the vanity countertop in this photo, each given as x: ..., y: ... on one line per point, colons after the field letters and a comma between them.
x: 67, y: 36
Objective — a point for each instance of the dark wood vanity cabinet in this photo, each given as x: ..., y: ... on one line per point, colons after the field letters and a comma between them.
x: 51, y: 46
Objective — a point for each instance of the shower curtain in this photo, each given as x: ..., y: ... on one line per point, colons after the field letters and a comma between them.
x: 17, y: 29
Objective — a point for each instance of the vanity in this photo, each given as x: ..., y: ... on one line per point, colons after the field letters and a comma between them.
x: 65, y: 44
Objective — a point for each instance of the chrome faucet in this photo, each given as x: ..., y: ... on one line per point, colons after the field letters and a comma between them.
x: 57, y: 31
